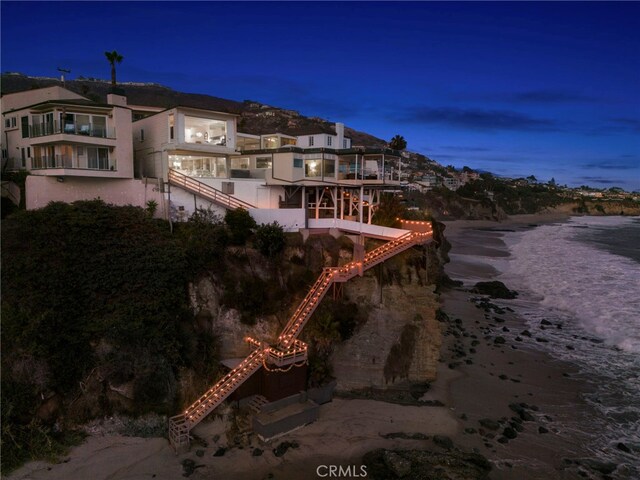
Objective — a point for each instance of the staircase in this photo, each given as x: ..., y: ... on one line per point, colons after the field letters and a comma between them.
x: 289, y: 350
x: 205, y: 191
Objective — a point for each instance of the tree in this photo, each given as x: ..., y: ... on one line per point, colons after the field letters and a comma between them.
x: 398, y: 143
x: 113, y: 57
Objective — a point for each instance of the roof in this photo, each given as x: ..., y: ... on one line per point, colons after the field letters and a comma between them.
x: 76, y: 102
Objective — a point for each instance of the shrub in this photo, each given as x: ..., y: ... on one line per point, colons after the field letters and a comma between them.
x: 241, y: 225
x: 270, y: 239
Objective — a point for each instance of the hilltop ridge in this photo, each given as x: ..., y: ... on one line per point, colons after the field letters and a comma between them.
x: 255, y: 117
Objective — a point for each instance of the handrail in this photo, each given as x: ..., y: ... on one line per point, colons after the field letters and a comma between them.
x: 289, y: 348
x: 206, y: 191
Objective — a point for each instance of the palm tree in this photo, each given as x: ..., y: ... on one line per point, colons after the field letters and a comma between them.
x: 398, y: 143
x: 113, y: 57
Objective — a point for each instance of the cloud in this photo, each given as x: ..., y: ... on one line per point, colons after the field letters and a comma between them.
x: 465, y: 149
x: 551, y: 96
x: 603, y: 180
x: 475, y: 119
x: 632, y: 124
x: 614, y: 165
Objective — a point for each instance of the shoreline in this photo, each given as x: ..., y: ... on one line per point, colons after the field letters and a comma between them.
x: 494, y: 375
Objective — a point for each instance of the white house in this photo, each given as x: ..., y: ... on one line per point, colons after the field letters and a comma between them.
x: 74, y: 148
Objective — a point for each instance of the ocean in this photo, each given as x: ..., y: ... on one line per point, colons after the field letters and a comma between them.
x: 583, y: 277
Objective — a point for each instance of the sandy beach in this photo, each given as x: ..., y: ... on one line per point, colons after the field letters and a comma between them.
x: 507, y: 401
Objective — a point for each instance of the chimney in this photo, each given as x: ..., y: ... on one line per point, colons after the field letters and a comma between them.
x: 340, y: 134
x: 115, y: 99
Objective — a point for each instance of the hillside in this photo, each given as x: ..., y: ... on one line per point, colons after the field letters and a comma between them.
x: 256, y: 118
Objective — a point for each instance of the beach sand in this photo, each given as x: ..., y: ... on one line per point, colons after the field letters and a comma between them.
x: 491, y: 376
x: 470, y: 391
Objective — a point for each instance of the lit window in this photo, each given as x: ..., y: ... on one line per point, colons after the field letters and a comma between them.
x: 313, y: 167
x: 263, y: 162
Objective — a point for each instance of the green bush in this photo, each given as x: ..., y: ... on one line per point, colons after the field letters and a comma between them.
x: 270, y: 239
x: 241, y: 225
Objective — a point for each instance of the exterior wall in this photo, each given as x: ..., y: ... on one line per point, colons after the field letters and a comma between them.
x: 41, y: 190
x: 118, y: 120
x: 152, y: 152
x: 290, y: 219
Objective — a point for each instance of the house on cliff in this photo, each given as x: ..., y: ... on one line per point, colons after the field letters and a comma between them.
x: 186, y: 158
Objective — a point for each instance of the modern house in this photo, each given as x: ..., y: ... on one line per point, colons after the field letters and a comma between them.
x: 74, y: 148
x: 186, y: 158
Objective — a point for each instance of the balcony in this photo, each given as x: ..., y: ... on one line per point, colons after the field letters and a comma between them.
x: 91, y: 130
x: 69, y: 163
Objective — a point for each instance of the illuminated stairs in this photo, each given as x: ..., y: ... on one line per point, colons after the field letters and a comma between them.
x: 289, y: 351
x: 205, y: 191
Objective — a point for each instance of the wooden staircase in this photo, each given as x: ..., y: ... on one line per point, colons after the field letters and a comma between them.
x: 205, y: 191
x: 289, y: 350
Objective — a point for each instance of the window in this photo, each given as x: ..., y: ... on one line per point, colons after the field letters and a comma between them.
x: 142, y: 134
x: 311, y: 141
x: 313, y: 167
x: 297, y: 163
x: 172, y: 124
x: 28, y: 152
x: 329, y: 168
x: 10, y: 122
x: 196, y: 166
x: 329, y: 140
x: 4, y: 154
x: 205, y: 130
x: 24, y: 122
x: 344, y: 144
x: 263, y: 162
x: 98, y: 158
x: 24, y: 158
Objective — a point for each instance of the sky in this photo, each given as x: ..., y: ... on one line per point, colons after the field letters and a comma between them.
x: 550, y: 89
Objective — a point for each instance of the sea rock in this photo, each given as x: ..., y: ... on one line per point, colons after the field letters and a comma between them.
x: 510, y: 433
x: 622, y: 447
x: 400, y: 466
x: 443, y: 441
x: 494, y: 289
x: 257, y: 452
x: 499, y: 340
x: 542, y: 429
x: 281, y: 449
x: 602, y: 467
x: 426, y: 465
x: 220, y: 452
x: 489, y: 424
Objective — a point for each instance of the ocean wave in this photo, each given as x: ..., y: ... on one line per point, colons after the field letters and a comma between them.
x: 598, y: 288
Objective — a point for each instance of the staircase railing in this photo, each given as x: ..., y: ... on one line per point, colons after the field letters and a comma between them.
x: 206, y: 191
x: 289, y: 349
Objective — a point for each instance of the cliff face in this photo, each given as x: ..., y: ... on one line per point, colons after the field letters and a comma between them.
x: 401, y: 339
x: 398, y: 341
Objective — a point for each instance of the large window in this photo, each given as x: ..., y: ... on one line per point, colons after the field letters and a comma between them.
x: 329, y: 167
x: 205, y: 130
x: 313, y: 167
x: 196, y: 166
x: 96, y: 158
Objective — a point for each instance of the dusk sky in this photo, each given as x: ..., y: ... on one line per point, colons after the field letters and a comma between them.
x: 549, y: 89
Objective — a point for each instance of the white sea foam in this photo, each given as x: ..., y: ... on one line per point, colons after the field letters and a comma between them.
x: 599, y: 289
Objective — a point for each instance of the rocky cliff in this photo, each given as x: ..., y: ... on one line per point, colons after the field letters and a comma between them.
x: 400, y: 342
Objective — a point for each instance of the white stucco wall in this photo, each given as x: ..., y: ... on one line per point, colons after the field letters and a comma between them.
x: 41, y: 190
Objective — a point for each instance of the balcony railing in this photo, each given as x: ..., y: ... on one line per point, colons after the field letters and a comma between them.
x: 66, y: 161
x: 84, y: 129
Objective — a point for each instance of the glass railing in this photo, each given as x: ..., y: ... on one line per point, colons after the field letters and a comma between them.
x: 85, y: 129
x: 65, y: 161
